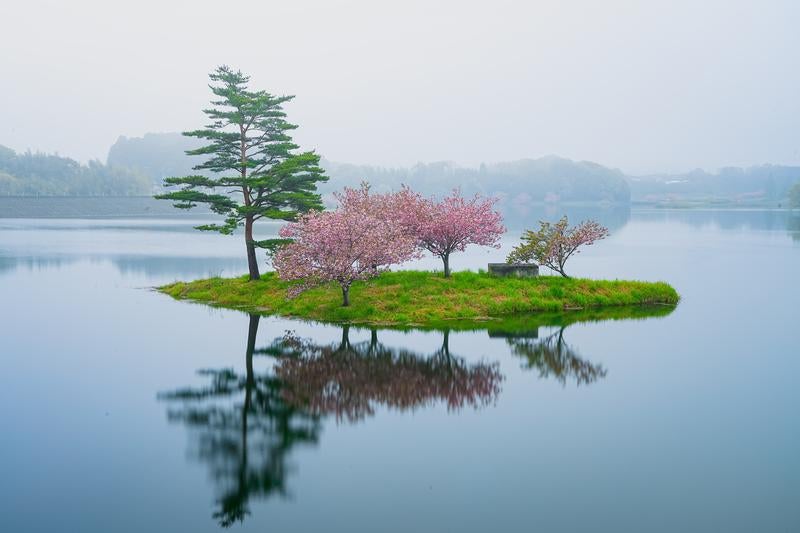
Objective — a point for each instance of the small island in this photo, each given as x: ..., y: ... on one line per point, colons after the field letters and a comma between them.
x: 333, y: 265
x: 424, y: 299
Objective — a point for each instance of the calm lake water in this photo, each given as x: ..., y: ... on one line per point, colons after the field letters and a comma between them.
x: 123, y: 410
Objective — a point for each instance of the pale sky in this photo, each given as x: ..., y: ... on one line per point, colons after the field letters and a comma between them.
x: 643, y: 86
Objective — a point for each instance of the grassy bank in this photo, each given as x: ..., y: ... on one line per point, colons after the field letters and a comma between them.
x: 413, y: 298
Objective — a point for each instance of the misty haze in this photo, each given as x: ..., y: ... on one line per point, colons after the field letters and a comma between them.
x: 403, y: 267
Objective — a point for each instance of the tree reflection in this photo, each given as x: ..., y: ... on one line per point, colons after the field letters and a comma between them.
x: 349, y: 379
x: 244, y: 427
x: 553, y: 357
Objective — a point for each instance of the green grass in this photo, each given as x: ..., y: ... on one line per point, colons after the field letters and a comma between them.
x: 425, y: 299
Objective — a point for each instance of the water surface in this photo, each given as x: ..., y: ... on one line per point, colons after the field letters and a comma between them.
x: 124, y: 410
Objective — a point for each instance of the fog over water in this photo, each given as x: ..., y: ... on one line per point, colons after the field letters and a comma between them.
x: 643, y: 86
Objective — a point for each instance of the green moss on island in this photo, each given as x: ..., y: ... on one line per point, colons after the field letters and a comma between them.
x: 426, y: 299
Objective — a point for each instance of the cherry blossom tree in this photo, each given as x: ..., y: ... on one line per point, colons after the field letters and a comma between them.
x: 450, y: 225
x: 357, y: 241
x: 553, y: 244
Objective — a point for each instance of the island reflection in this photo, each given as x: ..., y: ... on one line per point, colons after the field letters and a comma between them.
x: 245, y: 427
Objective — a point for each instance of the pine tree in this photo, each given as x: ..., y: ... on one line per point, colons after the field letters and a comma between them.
x: 257, y: 172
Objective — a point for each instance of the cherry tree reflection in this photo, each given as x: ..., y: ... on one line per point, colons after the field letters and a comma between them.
x: 349, y: 380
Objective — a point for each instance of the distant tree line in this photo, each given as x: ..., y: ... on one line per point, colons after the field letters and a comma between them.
x: 517, y: 184
x: 38, y: 174
x: 548, y: 179
x: 767, y: 184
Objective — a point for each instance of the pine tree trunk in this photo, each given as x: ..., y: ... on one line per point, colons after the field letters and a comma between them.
x: 252, y: 261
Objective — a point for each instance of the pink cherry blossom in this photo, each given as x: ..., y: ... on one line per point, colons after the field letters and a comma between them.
x: 450, y: 225
x: 357, y: 241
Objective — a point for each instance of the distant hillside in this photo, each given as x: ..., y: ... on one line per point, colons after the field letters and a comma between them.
x: 36, y: 174
x: 549, y: 179
x: 156, y: 155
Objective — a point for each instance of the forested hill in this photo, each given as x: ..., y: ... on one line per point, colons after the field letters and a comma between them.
x: 36, y: 174
x: 548, y: 179
x: 528, y: 180
x: 156, y: 155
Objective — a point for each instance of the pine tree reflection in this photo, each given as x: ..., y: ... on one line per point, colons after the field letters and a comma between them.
x: 553, y: 357
x: 244, y: 429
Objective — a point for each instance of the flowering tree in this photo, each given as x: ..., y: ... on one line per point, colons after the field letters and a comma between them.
x: 554, y: 244
x: 450, y: 225
x: 357, y: 241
